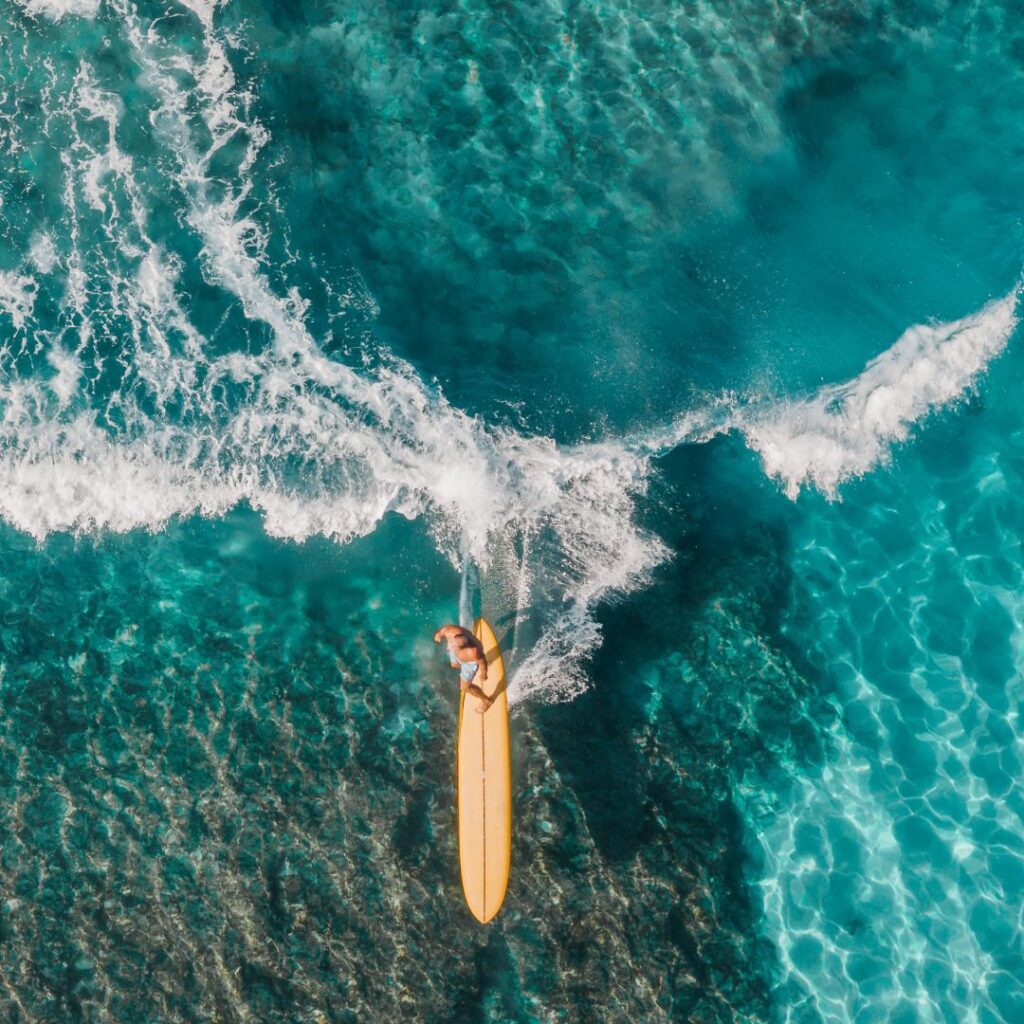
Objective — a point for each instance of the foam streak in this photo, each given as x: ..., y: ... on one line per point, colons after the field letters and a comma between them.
x: 845, y: 430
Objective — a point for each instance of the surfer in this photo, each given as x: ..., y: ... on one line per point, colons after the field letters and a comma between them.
x: 466, y: 653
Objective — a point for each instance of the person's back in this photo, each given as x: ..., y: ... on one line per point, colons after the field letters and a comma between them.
x: 466, y: 653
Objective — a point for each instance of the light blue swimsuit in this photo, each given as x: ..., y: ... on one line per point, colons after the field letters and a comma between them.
x: 467, y: 669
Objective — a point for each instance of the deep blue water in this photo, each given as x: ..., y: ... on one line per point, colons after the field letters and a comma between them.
x: 680, y: 339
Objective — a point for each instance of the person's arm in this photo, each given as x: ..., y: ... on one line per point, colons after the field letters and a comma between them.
x: 445, y: 632
x: 481, y: 668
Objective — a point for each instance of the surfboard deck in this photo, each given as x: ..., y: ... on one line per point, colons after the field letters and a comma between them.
x: 484, y: 779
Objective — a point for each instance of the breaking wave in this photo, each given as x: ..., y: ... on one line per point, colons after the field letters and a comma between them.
x: 183, y: 426
x: 130, y: 413
x: 845, y: 430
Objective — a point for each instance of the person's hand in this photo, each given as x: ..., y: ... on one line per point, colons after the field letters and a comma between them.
x: 437, y: 637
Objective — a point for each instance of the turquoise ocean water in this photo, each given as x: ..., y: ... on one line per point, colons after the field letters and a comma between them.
x: 679, y: 338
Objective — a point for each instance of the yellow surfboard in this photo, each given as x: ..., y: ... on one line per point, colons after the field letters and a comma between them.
x: 485, y: 788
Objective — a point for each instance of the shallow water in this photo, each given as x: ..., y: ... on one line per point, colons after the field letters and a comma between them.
x: 685, y: 338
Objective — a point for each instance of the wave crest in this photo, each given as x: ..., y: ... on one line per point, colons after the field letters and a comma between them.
x: 845, y: 430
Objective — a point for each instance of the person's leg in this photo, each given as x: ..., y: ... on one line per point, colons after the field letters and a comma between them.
x: 478, y: 691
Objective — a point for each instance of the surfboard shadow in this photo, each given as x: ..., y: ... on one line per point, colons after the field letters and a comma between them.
x: 490, y: 654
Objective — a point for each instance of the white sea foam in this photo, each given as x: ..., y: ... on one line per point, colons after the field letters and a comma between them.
x: 64, y: 383
x: 43, y: 253
x: 59, y: 474
x: 204, y: 10
x: 314, y: 445
x: 845, y: 430
x: 17, y: 297
x: 55, y: 10
x: 320, y: 447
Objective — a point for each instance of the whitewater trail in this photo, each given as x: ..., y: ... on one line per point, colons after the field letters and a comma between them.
x: 316, y: 446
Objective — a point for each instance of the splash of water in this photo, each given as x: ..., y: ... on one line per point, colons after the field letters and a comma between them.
x: 843, y: 431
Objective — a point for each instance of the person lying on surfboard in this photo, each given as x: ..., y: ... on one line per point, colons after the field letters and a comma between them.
x: 466, y: 653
